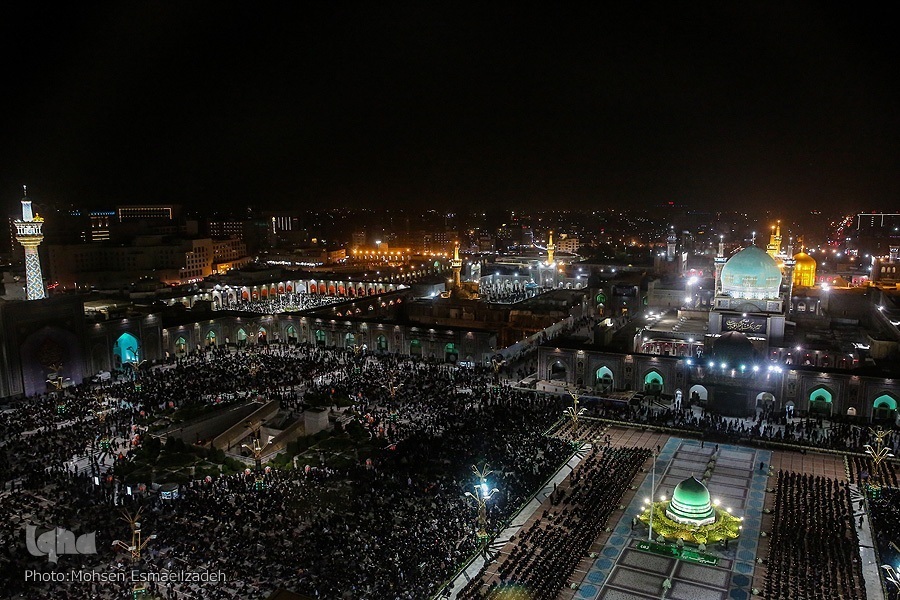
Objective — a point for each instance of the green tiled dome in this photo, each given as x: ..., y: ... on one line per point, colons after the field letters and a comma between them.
x: 690, y: 503
x: 751, y: 273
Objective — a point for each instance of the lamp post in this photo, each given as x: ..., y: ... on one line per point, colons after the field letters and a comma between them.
x: 257, y: 450
x: 880, y: 451
x: 573, y: 411
x: 481, y: 496
x: 892, y: 576
x: 135, y: 547
x: 391, y: 386
x: 652, y: 496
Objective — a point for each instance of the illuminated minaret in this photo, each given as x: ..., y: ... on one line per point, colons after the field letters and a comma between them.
x: 720, y: 262
x: 671, y: 239
x: 789, y: 263
x: 774, y: 247
x: 456, y: 265
x: 28, y: 233
x: 551, y: 248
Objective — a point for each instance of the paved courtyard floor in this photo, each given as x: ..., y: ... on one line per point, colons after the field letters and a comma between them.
x: 624, y: 571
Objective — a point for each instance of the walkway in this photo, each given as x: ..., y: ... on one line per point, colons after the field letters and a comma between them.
x: 525, y: 515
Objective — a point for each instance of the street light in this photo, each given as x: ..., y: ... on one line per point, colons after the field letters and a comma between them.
x: 880, y: 451
x: 573, y: 411
x: 652, y: 497
x: 892, y: 576
x: 135, y: 547
x: 257, y: 449
x: 481, y: 496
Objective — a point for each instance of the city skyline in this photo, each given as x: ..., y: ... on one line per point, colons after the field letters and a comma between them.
x: 774, y: 107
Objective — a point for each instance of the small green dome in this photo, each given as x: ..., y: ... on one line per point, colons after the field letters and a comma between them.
x: 690, y: 503
x: 752, y: 274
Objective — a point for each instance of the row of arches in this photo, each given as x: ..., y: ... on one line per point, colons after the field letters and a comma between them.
x: 321, y: 337
x: 821, y: 401
x: 605, y: 381
x: 223, y: 296
x: 414, y: 348
x: 820, y: 398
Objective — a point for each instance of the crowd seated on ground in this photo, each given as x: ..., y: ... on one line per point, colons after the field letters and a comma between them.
x: 546, y: 554
x: 431, y: 422
x: 814, y: 549
x: 884, y: 508
x: 325, y: 531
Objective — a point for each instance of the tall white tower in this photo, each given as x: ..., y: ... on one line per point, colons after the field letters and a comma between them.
x: 719, y: 261
x: 456, y: 265
x: 671, y: 241
x: 28, y: 233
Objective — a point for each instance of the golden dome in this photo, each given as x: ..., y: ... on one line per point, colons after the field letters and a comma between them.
x: 804, y: 270
x: 804, y: 259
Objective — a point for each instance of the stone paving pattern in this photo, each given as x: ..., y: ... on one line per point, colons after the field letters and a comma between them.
x: 622, y: 571
x: 619, y: 571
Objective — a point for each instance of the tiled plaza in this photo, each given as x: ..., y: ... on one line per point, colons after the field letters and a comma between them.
x: 623, y: 571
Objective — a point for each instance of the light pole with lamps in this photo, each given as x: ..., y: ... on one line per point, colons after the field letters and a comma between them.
x: 652, y: 496
x: 573, y: 411
x: 879, y: 452
x: 135, y: 548
x: 481, y: 496
x: 892, y: 576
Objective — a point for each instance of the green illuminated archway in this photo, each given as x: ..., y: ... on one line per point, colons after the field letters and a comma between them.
x: 653, y: 382
x: 605, y: 380
x: 821, y: 400
x: 821, y: 394
x: 885, y: 401
x: 126, y: 349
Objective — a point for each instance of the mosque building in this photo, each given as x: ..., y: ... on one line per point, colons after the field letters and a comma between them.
x: 759, y: 340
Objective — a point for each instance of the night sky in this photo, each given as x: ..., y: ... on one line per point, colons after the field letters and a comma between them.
x: 736, y: 105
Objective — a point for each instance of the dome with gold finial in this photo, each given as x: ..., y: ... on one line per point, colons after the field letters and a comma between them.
x: 751, y: 273
x: 804, y: 270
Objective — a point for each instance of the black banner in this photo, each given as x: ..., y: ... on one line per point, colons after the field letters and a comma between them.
x: 749, y: 325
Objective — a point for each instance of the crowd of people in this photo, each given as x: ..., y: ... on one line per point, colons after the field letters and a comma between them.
x: 288, y: 302
x: 860, y: 469
x: 815, y: 432
x: 497, y: 293
x: 545, y: 555
x: 814, y: 549
x: 344, y: 532
x: 324, y: 531
x: 884, y: 508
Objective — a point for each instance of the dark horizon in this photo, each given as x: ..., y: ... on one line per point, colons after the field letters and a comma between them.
x: 754, y: 107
